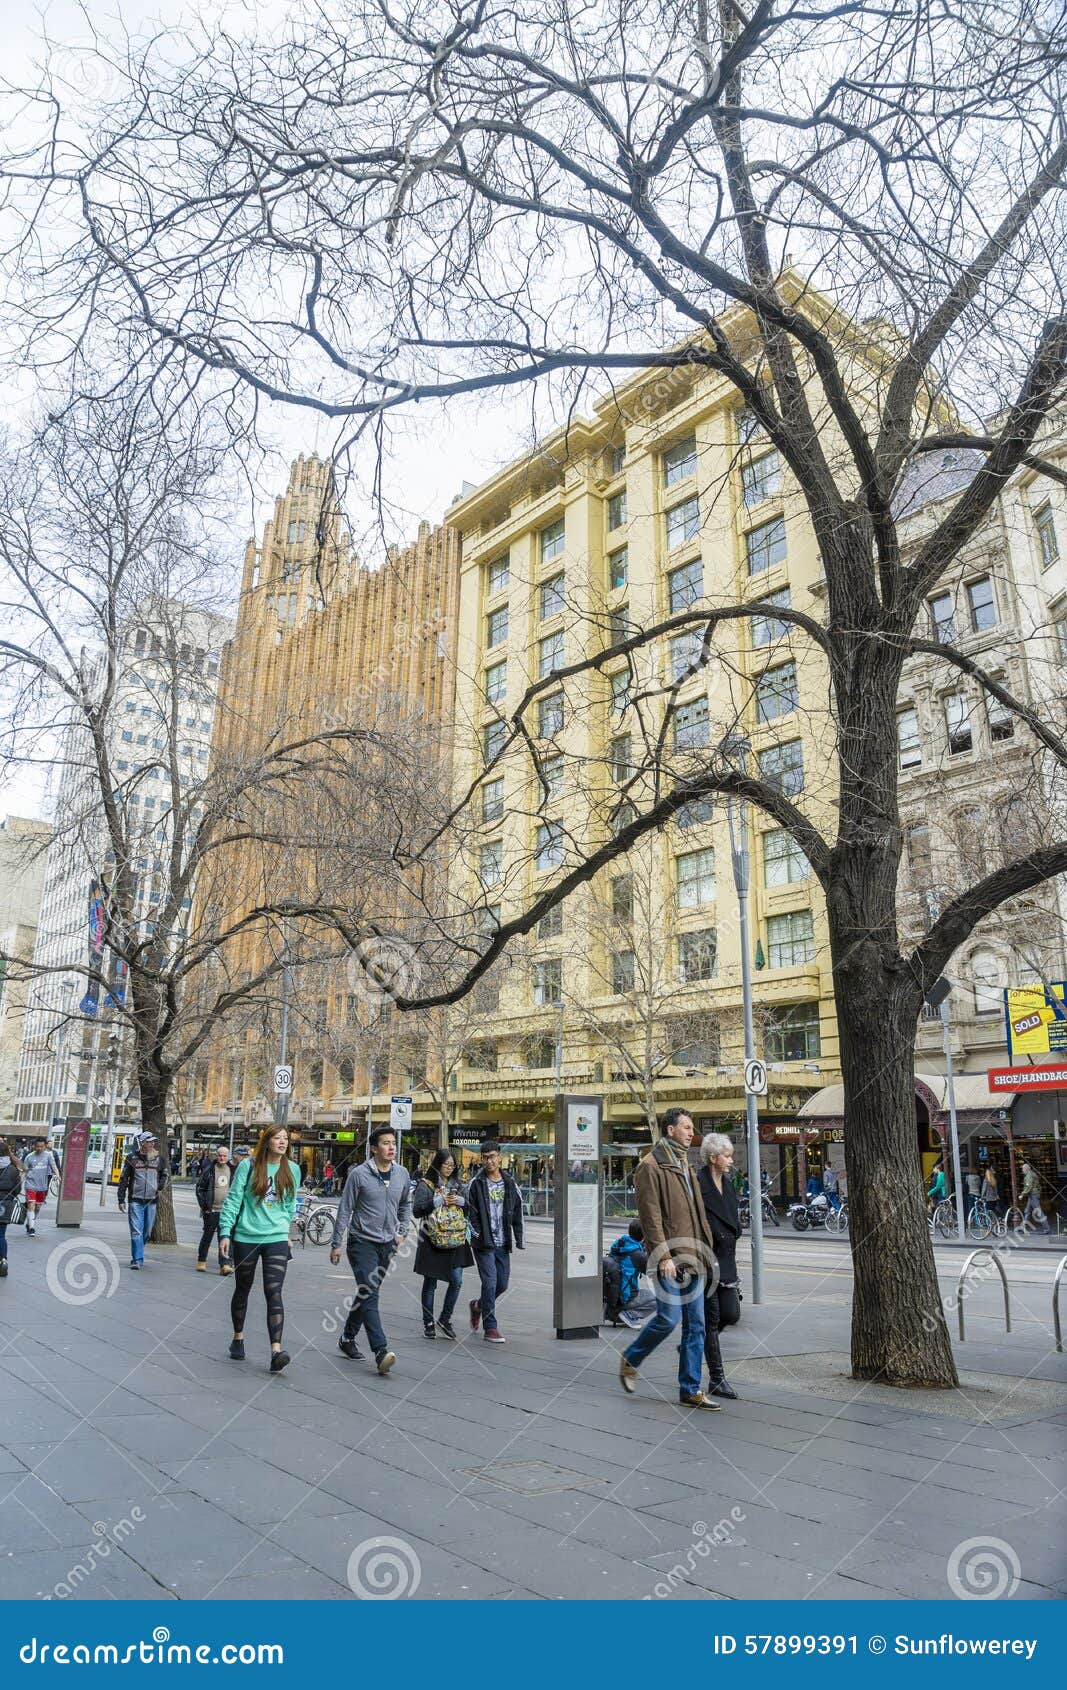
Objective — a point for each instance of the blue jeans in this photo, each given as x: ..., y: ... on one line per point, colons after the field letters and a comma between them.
x: 3, y: 1241
x: 142, y: 1220
x: 494, y: 1271
x: 670, y: 1308
x: 429, y: 1286
x: 369, y: 1263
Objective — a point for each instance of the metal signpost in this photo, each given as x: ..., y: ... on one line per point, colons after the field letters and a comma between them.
x: 400, y: 1119
x: 578, y: 1224
x: 736, y: 751
x: 71, y: 1205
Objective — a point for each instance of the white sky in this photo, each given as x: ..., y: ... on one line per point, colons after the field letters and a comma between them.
x: 433, y: 450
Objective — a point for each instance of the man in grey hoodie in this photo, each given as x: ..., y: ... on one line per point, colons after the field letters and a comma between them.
x: 373, y: 1217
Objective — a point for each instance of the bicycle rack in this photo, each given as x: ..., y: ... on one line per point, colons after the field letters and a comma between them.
x: 999, y: 1265
x: 1056, y: 1303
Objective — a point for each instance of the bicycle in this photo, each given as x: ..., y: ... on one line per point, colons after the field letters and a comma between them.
x: 312, y: 1221
x: 837, y: 1220
x: 981, y: 1222
x: 943, y: 1219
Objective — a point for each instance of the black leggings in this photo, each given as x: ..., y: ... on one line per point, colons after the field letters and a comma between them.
x: 722, y: 1308
x: 275, y: 1258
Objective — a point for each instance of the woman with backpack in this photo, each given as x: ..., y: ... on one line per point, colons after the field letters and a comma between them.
x: 254, y: 1227
x: 10, y: 1190
x: 440, y: 1207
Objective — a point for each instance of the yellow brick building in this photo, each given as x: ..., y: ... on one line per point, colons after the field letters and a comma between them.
x: 665, y: 497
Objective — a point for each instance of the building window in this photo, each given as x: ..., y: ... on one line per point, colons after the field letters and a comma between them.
x: 767, y: 629
x: 488, y: 921
x: 616, y: 510
x: 550, y: 655
x: 552, y: 540
x: 784, y: 863
x: 618, y: 568
x: 683, y: 523
x: 792, y: 1035
x: 761, y: 478
x: 297, y: 531
x: 776, y: 693
x: 680, y: 461
x: 540, y: 1052
x: 958, y: 722
x: 622, y: 897
x: 943, y: 618
x: 917, y: 850
x: 687, y: 654
x: 782, y: 766
x: 1000, y: 719
x: 619, y: 625
x: 695, y: 879
x: 550, y: 715
x: 1047, y: 540
x: 790, y: 940
x: 749, y: 427
x: 686, y: 585
x: 765, y: 545
x: 989, y: 983
x: 496, y: 627
x: 493, y: 737
x: 498, y: 574
x: 551, y: 597
x: 617, y: 459
x: 621, y: 758
x: 549, y: 849
x: 695, y: 813
x: 622, y: 972
x: 699, y: 1053
x: 692, y: 725
x: 346, y: 1076
x: 550, y: 925
x: 491, y: 864
x: 548, y: 983
x: 1061, y: 637
x: 982, y: 604
x: 492, y: 800
x: 483, y: 1057
x: 552, y: 769
x: 696, y: 955
x: 622, y: 817
x: 496, y: 682
x: 620, y: 691
x: 909, y: 740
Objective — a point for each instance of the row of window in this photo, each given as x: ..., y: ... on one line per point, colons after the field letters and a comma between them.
x: 790, y: 1034
x: 981, y: 610
x: 959, y: 715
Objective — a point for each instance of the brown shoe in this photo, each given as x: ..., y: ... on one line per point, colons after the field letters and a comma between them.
x: 201, y: 1267
x: 225, y: 1270
x: 627, y: 1376
x: 699, y: 1400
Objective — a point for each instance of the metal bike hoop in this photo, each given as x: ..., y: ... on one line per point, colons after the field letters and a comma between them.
x: 1056, y: 1303
x: 999, y: 1265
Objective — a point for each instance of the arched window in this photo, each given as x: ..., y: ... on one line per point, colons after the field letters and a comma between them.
x: 346, y: 1076
x: 990, y: 978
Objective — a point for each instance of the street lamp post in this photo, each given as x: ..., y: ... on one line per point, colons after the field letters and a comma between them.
x: 937, y: 997
x: 736, y: 750
x: 281, y: 1099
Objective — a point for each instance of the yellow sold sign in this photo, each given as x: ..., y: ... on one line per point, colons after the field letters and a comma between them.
x: 1036, y: 1019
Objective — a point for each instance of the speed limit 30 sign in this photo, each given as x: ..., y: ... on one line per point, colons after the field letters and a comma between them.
x: 283, y: 1080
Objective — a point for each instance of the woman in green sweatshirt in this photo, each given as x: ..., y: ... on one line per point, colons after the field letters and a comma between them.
x: 254, y: 1225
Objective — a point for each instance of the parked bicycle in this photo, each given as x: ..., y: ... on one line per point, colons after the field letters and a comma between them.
x: 837, y: 1220
x: 311, y: 1220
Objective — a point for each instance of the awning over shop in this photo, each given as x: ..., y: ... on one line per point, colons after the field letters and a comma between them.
x: 975, y: 1103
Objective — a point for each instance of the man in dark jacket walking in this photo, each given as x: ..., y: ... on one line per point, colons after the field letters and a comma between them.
x: 494, y: 1209
x: 144, y: 1174
x: 681, y: 1257
x: 212, y: 1190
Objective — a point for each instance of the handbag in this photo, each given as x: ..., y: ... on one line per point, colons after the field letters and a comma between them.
x: 17, y: 1204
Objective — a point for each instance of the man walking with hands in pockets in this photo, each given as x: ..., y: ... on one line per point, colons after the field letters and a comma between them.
x: 373, y: 1217
x: 681, y: 1256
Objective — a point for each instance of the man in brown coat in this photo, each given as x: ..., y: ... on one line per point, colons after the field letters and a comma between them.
x: 680, y: 1258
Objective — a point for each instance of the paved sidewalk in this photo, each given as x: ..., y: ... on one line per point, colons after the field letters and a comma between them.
x: 137, y: 1461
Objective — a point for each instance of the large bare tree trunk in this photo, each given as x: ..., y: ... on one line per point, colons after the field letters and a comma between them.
x: 154, y: 1092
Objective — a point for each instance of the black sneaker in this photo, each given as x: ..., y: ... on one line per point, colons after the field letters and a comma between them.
x: 428, y: 1329
x: 446, y: 1329
x: 3, y: 1268
x: 237, y: 1349
x: 135, y: 1267
x: 348, y: 1347
x: 279, y: 1361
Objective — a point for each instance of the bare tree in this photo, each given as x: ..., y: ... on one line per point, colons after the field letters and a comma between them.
x: 391, y: 206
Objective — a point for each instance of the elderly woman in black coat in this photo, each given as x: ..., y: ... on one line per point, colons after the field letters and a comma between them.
x: 440, y: 1206
x: 722, y: 1305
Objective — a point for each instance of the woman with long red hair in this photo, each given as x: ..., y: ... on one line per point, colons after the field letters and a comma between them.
x: 254, y: 1225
